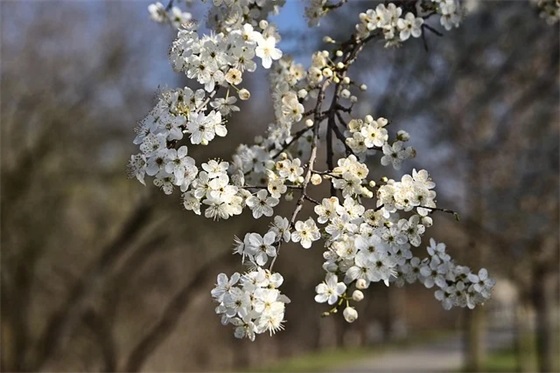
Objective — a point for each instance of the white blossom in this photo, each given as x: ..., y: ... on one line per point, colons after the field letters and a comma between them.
x: 371, y: 234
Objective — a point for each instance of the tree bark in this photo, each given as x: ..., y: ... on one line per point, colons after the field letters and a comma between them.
x: 522, y: 345
x: 475, y: 347
x: 543, y: 299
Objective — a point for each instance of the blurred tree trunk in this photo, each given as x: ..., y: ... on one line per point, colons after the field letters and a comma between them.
x: 397, y: 315
x: 543, y: 297
x: 522, y: 343
x: 475, y: 348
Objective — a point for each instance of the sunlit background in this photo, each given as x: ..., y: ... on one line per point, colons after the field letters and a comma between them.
x: 100, y: 273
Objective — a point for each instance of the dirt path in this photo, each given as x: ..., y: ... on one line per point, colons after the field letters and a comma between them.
x: 441, y: 356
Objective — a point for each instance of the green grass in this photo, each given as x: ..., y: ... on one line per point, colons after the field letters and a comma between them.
x: 506, y: 360
x: 503, y: 361
x: 316, y: 362
x: 330, y: 359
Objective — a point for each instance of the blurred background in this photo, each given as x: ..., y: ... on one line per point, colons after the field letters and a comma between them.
x: 99, y: 273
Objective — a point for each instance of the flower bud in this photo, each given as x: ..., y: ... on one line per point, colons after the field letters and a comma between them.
x: 403, y: 136
x: 361, y: 284
x: 302, y: 93
x: 339, y: 53
x: 345, y: 93
x: 289, y: 196
x: 309, y: 123
x: 340, y: 65
x: 357, y: 295
x: 346, y: 80
x: 350, y: 314
x: 427, y: 221
x: 363, y: 87
x: 316, y: 179
x: 366, y: 192
x: 244, y: 94
x: 263, y: 24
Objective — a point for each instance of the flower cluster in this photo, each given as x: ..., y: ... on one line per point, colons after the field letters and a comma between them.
x: 216, y: 61
x: 221, y: 59
x: 413, y: 191
x: 258, y: 249
x: 213, y: 189
x: 228, y: 15
x: 549, y: 10
x: 457, y: 285
x: 391, y: 21
x: 370, y: 225
x: 387, y: 19
x: 366, y: 134
x: 450, y: 13
x: 173, y: 15
x: 251, y: 302
x: 365, y: 247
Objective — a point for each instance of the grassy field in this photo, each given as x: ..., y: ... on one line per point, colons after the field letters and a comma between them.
x: 504, y: 361
x: 319, y: 361
x: 330, y: 359
x: 501, y: 361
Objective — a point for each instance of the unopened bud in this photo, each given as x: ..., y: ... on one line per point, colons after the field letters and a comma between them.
x: 357, y: 295
x: 309, y: 123
x: 263, y: 24
x: 361, y: 284
x: 403, y: 136
x: 346, y: 80
x: 350, y: 314
x: 366, y: 192
x: 427, y: 221
x: 316, y: 179
x: 302, y: 93
x: 363, y: 87
x: 244, y: 94
x: 345, y: 93
x: 339, y: 53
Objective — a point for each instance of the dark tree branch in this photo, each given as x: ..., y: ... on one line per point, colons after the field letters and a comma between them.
x: 105, y: 340
x: 170, y: 316
x: 69, y: 313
